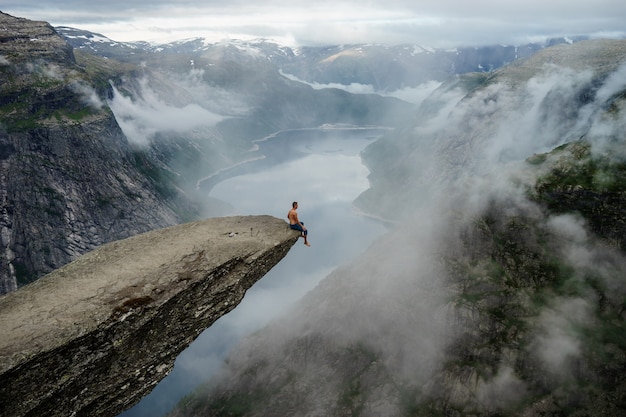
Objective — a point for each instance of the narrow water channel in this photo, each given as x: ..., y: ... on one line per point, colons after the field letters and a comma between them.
x: 322, y: 170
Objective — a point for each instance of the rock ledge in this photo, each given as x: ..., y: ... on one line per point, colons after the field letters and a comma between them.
x: 94, y: 336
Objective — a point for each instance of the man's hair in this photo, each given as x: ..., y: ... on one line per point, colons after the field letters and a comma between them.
x: 294, y: 204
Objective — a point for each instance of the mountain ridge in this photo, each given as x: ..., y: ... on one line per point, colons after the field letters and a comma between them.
x: 385, y: 67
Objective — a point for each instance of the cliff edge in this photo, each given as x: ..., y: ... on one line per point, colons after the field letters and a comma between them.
x: 93, y: 337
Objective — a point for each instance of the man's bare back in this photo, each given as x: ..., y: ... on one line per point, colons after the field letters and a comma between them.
x: 293, y: 216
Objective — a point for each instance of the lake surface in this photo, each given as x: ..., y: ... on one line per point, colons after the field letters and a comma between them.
x: 322, y: 170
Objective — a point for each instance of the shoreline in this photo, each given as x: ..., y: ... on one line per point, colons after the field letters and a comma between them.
x: 325, y: 127
x: 255, y: 147
x: 363, y: 213
x: 226, y: 169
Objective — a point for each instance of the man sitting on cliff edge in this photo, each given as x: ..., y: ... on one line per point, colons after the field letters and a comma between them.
x: 296, y: 224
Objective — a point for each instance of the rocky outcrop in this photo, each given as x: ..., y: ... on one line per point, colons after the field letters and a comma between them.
x: 26, y: 39
x: 93, y: 337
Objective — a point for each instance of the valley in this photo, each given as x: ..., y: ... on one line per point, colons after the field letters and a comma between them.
x: 496, y: 285
x: 327, y: 165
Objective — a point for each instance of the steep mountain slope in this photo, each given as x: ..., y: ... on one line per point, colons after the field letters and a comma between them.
x: 70, y: 179
x: 478, y: 121
x: 501, y: 293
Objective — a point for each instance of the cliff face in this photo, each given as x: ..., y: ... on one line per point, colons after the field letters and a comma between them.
x: 70, y: 180
x: 93, y: 337
x: 26, y: 39
x: 67, y: 190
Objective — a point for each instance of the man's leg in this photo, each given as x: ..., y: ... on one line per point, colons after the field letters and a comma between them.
x: 298, y: 228
x: 303, y: 233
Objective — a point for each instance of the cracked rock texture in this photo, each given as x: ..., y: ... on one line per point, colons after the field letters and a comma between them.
x: 93, y: 337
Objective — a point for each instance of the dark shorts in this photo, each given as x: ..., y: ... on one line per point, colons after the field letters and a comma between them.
x: 299, y: 228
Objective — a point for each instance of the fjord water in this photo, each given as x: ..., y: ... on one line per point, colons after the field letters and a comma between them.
x: 322, y: 170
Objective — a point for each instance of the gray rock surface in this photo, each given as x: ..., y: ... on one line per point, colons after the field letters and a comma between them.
x: 69, y: 178
x: 93, y: 337
x: 25, y: 39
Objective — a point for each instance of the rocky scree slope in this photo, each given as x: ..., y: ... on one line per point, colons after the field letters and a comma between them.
x: 93, y: 337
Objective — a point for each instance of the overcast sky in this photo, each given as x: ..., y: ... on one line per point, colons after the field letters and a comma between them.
x: 436, y: 23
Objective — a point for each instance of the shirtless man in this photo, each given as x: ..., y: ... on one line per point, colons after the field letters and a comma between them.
x: 296, y: 224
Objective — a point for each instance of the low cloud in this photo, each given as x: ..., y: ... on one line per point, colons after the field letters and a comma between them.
x: 214, y: 99
x: 141, y: 118
x: 607, y: 128
x: 87, y: 94
x: 502, y: 391
x: 51, y: 71
x: 569, y: 227
x: 461, y: 156
x: 354, y: 88
x: 462, y: 159
x: 415, y: 95
x: 557, y: 343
